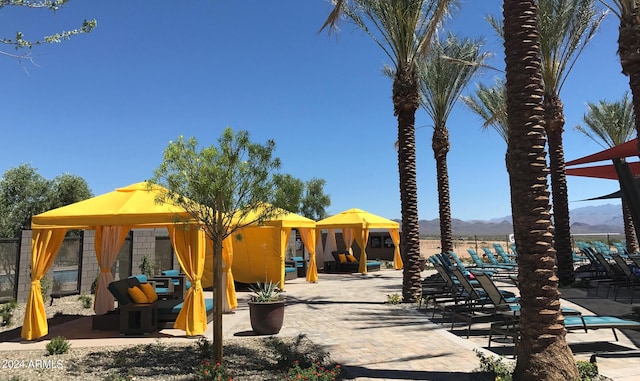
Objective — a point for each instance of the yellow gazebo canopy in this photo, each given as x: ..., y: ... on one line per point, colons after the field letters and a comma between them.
x: 260, y: 248
x: 111, y: 215
x: 355, y: 224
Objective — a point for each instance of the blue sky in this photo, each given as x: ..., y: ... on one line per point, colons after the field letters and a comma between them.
x: 105, y: 105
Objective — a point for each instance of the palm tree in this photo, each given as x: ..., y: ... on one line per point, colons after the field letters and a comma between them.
x: 610, y: 124
x: 404, y: 30
x: 566, y: 27
x: 628, y: 47
x: 543, y: 353
x: 444, y: 74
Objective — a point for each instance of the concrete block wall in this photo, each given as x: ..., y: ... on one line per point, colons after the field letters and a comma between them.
x: 143, y: 243
x: 24, y: 266
x: 90, y: 268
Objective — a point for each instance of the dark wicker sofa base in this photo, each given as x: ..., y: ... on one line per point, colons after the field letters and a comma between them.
x: 352, y: 267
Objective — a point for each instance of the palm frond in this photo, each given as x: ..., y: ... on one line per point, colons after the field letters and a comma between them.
x: 445, y: 72
x: 490, y: 103
x: 609, y: 123
x: 404, y: 29
x: 566, y: 28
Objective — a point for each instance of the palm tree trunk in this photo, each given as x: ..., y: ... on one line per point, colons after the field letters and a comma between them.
x: 440, y: 145
x: 406, y: 100
x: 554, y: 124
x: 628, y: 50
x: 629, y: 229
x: 543, y: 353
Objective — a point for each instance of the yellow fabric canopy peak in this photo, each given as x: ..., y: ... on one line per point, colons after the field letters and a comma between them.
x: 357, y: 223
x: 356, y: 218
x: 134, y: 205
x: 281, y: 218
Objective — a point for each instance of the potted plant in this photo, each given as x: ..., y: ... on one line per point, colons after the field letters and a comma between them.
x: 266, y: 308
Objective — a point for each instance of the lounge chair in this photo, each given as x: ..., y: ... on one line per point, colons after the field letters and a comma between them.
x: 621, y: 249
x: 614, y: 274
x: 469, y: 270
x: 588, y: 322
x: 632, y: 280
x: 572, y: 324
x: 495, y: 262
x: 479, y: 263
x: 451, y: 292
x: 506, y: 258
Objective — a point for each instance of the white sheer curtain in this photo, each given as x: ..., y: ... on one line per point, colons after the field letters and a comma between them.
x: 330, y: 245
x: 347, y: 235
x: 108, y: 241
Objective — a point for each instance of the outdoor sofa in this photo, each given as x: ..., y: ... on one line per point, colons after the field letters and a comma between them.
x: 141, y: 318
x: 351, y: 264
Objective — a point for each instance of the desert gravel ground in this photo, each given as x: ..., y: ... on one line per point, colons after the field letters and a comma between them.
x: 251, y: 358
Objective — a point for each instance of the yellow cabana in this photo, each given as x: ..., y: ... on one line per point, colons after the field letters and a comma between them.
x: 111, y: 215
x: 259, y: 250
x: 355, y: 224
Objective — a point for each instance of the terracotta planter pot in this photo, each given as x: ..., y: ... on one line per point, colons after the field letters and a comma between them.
x: 266, y: 317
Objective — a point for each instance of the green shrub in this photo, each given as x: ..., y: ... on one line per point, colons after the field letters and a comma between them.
x: 86, y: 300
x: 147, y: 267
x: 315, y: 372
x: 394, y: 299
x: 208, y: 371
x: 58, y: 346
x: 6, y: 312
x: 204, y: 348
x: 588, y: 370
x: 493, y: 368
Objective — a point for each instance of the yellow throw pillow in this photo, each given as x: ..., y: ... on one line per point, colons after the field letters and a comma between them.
x: 351, y: 258
x: 149, y: 292
x: 136, y: 294
x: 342, y: 258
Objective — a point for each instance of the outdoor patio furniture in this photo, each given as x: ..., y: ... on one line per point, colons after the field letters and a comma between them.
x: 480, y: 264
x: 178, y: 281
x: 351, y: 265
x: 132, y: 318
x: 495, y: 262
x: 506, y: 258
x: 571, y: 323
x: 299, y: 264
x: 290, y: 271
x: 163, y: 287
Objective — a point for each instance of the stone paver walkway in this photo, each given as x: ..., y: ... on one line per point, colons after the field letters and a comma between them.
x: 348, y: 316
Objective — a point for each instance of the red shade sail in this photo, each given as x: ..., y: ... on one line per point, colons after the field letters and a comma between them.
x: 602, y: 171
x: 623, y: 150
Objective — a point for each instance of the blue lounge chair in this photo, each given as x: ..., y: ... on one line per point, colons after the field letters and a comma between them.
x: 506, y: 258
x: 468, y: 270
x: 586, y: 323
x: 494, y: 261
x: 479, y: 263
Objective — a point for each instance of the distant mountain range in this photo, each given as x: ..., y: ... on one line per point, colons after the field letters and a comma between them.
x: 589, y: 219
